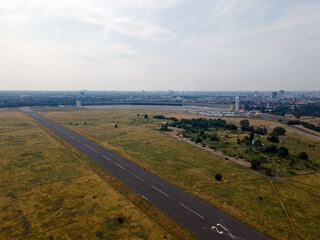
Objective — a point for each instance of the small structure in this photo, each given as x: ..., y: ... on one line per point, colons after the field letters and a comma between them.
x: 78, y: 103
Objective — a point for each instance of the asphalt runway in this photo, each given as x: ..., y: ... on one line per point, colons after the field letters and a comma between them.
x: 200, y: 218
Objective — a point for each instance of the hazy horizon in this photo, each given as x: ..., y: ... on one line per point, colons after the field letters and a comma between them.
x: 183, y: 45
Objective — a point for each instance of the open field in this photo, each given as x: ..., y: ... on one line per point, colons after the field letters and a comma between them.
x: 47, y: 192
x: 242, y: 193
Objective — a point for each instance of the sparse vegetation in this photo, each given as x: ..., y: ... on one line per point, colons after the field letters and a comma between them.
x: 242, y: 193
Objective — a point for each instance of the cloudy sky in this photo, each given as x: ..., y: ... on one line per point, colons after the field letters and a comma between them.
x: 159, y: 45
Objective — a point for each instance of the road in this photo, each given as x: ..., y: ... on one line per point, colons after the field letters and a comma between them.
x: 200, y: 218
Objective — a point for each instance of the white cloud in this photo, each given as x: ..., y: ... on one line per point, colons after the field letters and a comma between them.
x: 160, y: 43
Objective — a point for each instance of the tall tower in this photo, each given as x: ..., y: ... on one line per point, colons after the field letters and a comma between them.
x: 237, y: 104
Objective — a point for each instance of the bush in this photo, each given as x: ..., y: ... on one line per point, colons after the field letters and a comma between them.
x: 283, y: 152
x: 258, y: 143
x: 214, y: 138
x: 198, y: 139
x: 159, y: 117
x: 260, y: 131
x: 273, y: 138
x: 279, y: 131
x: 255, y: 163
x: 303, y: 155
x: 270, y: 149
x: 218, y: 177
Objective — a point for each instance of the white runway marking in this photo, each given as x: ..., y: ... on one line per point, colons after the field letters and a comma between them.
x: 106, y: 157
x: 86, y: 145
x: 191, y: 210
x: 119, y: 165
x: 137, y: 177
x: 160, y: 191
x: 95, y: 150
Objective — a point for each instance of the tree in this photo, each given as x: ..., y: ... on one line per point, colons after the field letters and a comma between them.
x: 251, y: 135
x: 146, y: 116
x: 283, y: 152
x: 258, y: 143
x: 279, y: 131
x: 214, y: 138
x: 218, y: 177
x: 198, y: 139
x: 273, y: 138
x: 255, y: 163
x: 303, y: 155
x: 270, y: 149
x: 260, y: 131
x: 244, y: 124
x: 164, y: 127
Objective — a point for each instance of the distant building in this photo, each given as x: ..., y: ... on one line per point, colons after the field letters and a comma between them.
x: 232, y: 107
x: 281, y: 92
x: 237, y: 104
x: 274, y: 95
x: 78, y: 103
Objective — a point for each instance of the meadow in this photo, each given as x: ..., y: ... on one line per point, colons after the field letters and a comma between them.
x: 48, y: 192
x: 242, y: 193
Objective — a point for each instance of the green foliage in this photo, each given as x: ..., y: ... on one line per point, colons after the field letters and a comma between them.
x: 146, y: 116
x: 164, y: 127
x: 258, y: 143
x: 303, y: 155
x: 159, y: 117
x: 271, y: 149
x: 261, y: 131
x: 214, y: 138
x: 218, y: 177
x: 273, y: 138
x: 283, y: 152
x: 279, y: 131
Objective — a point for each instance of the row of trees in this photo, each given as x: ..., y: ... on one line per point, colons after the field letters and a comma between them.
x: 311, y: 109
x: 305, y: 124
x: 194, y: 125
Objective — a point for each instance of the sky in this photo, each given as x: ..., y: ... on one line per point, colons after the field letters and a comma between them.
x: 205, y: 45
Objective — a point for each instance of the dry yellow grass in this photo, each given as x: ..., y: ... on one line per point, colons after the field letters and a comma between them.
x: 46, y: 192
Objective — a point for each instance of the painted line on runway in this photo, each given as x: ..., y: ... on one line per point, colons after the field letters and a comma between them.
x: 86, y: 145
x: 137, y: 177
x: 95, y: 150
x: 119, y: 165
x: 191, y: 210
x: 106, y: 157
x: 160, y: 191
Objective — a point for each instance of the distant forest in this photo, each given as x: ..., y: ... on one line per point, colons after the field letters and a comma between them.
x: 311, y: 109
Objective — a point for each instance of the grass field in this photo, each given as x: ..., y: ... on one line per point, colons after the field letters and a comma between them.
x: 47, y: 192
x: 242, y: 193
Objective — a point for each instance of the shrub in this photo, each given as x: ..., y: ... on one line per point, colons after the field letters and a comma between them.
x: 279, y: 131
x: 270, y: 149
x: 273, y: 138
x: 218, y: 177
x: 159, y: 117
x: 260, y: 131
x: 198, y: 139
x: 303, y: 155
x: 283, y: 152
x: 214, y: 138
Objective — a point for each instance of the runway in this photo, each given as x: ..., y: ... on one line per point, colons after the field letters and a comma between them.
x: 200, y: 218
